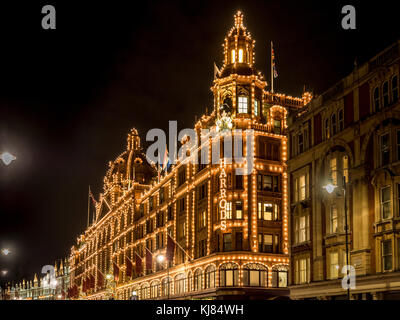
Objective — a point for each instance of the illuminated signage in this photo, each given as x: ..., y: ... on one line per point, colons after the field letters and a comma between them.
x: 222, y: 196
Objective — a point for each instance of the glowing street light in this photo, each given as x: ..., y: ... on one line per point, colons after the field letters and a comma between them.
x: 5, y: 251
x: 7, y: 158
x: 4, y: 272
x: 160, y: 258
x: 330, y: 187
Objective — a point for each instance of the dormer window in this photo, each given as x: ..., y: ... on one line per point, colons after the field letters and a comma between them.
x: 242, y: 104
x: 240, y: 55
x: 233, y: 56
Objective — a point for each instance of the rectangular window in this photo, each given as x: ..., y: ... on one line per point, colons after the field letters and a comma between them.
x: 333, y: 220
x: 240, y: 55
x: 239, y: 210
x: 267, y: 183
x: 239, y: 241
x: 228, y: 210
x: 227, y: 242
x: 341, y: 120
x: 385, y: 202
x: 300, y: 143
x: 277, y: 126
x: 268, y: 211
x: 302, y: 181
x: 182, y: 176
x: 202, y: 219
x: 398, y: 145
x: 181, y: 204
x: 333, y: 171
x: 387, y: 255
x: 302, y: 229
x: 345, y: 163
x: 239, y: 181
x: 233, y: 55
x: 242, y: 104
x: 256, y: 106
x: 334, y: 265
x: 260, y: 211
x: 302, y: 272
x: 385, y: 152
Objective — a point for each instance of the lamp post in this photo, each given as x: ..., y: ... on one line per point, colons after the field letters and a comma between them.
x: 160, y: 259
x: 330, y: 188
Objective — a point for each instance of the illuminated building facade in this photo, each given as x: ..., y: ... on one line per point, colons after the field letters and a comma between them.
x: 350, y: 134
x: 240, y: 252
x: 43, y: 289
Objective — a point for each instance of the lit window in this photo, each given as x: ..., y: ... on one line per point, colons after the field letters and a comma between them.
x: 277, y: 126
x: 345, y: 160
x: 376, y: 99
x: 387, y: 255
x: 333, y: 171
x: 333, y: 220
x: 268, y: 210
x: 395, y: 89
x: 256, y: 107
x: 239, y: 210
x: 233, y: 56
x: 385, y: 94
x: 240, y: 55
x: 334, y: 265
x: 302, y: 188
x: 385, y: 202
x: 302, y: 229
x: 242, y: 104
x: 228, y: 210
x: 302, y: 271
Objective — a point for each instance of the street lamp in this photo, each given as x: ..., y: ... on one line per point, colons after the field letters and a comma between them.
x: 4, y: 272
x: 5, y: 251
x: 330, y: 188
x: 161, y: 258
x: 134, y: 295
x: 7, y: 158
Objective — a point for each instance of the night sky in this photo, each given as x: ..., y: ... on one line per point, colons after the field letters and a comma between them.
x: 68, y: 97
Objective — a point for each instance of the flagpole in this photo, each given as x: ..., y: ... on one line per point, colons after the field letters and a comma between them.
x: 88, y: 210
x: 272, y: 71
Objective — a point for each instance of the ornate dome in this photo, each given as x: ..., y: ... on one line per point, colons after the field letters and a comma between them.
x: 238, y: 51
x: 130, y: 166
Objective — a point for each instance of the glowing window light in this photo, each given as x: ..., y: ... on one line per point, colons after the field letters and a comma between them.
x: 233, y: 56
x: 240, y: 55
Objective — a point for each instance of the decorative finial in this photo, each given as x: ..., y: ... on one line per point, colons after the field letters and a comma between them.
x: 239, y: 19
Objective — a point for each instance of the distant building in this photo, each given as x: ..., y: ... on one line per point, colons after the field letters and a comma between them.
x: 43, y: 289
x: 350, y: 133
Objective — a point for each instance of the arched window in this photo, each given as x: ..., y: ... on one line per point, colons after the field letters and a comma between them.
x: 395, y: 89
x: 198, y: 280
x: 189, y: 281
x: 255, y: 275
x: 385, y: 94
x: 154, y: 289
x: 210, y: 277
x: 280, y: 276
x: 179, y: 283
x: 144, y: 291
x: 341, y: 120
x: 166, y: 287
x: 242, y: 104
x: 228, y: 275
x: 233, y: 56
x: 377, y: 102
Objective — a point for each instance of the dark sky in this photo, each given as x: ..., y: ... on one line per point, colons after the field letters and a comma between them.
x: 69, y: 96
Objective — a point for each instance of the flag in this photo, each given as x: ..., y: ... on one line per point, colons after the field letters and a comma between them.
x: 170, y: 248
x: 138, y: 264
x: 92, y: 197
x: 129, y: 267
x: 273, y: 61
x: 100, y: 279
x: 116, y: 272
x: 166, y: 162
x: 149, y: 260
x: 216, y: 71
